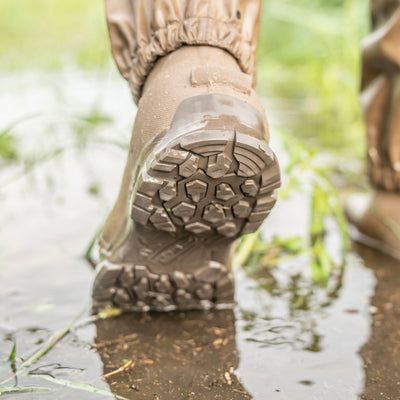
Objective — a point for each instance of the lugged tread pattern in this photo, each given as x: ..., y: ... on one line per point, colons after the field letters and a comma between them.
x: 208, y: 184
x: 200, y: 188
x: 136, y: 287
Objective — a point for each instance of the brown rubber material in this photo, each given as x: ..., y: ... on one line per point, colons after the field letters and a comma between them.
x: 208, y: 184
x: 201, y: 189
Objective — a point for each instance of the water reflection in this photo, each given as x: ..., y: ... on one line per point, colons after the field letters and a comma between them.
x: 174, y: 356
x: 299, y: 341
x: 295, y: 341
x: 303, y: 301
x: 289, y: 348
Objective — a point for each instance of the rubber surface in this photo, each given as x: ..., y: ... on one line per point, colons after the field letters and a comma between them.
x: 209, y: 184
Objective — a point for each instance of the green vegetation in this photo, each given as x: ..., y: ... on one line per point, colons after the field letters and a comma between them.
x: 309, y: 58
x: 8, y: 148
x: 81, y: 386
x: 52, y: 34
x: 309, y: 174
x: 17, y: 389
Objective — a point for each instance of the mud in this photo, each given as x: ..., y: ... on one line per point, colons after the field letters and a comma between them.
x: 285, y: 339
x: 381, y: 354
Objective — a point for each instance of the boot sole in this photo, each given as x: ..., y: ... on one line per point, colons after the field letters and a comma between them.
x: 202, y: 189
x: 208, y: 184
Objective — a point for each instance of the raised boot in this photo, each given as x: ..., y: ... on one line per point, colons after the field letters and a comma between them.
x: 376, y: 217
x: 199, y: 175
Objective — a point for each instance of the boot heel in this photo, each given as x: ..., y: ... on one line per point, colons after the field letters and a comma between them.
x: 208, y: 184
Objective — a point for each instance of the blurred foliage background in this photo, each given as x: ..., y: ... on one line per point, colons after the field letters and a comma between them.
x: 308, y: 58
x: 309, y: 55
x: 52, y: 34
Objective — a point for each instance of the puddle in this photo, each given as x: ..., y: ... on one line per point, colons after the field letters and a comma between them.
x: 286, y: 339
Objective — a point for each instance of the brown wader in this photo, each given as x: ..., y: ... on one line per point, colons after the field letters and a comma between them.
x: 381, y: 94
x: 199, y: 172
x: 142, y: 31
x: 376, y: 217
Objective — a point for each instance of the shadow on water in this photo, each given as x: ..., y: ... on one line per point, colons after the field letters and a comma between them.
x: 285, y: 339
x: 381, y: 353
x: 176, y: 356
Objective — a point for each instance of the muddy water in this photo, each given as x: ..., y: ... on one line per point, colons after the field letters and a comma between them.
x: 285, y: 339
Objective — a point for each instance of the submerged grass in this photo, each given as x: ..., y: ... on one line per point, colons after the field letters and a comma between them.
x: 17, y: 389
x: 80, y: 386
x: 84, y: 129
x: 44, y: 348
x: 8, y: 144
x: 48, y: 345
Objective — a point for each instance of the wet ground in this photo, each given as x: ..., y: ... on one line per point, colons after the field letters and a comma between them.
x: 285, y: 339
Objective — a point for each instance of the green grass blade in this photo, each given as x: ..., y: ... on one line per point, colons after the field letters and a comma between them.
x: 17, y: 389
x: 13, y: 354
x: 53, y: 340
x: 80, y: 386
x: 245, y: 248
x: 49, y: 344
x: 89, y: 249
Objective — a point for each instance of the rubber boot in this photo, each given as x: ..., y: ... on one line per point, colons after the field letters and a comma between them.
x: 376, y: 220
x: 199, y: 175
x: 376, y: 217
